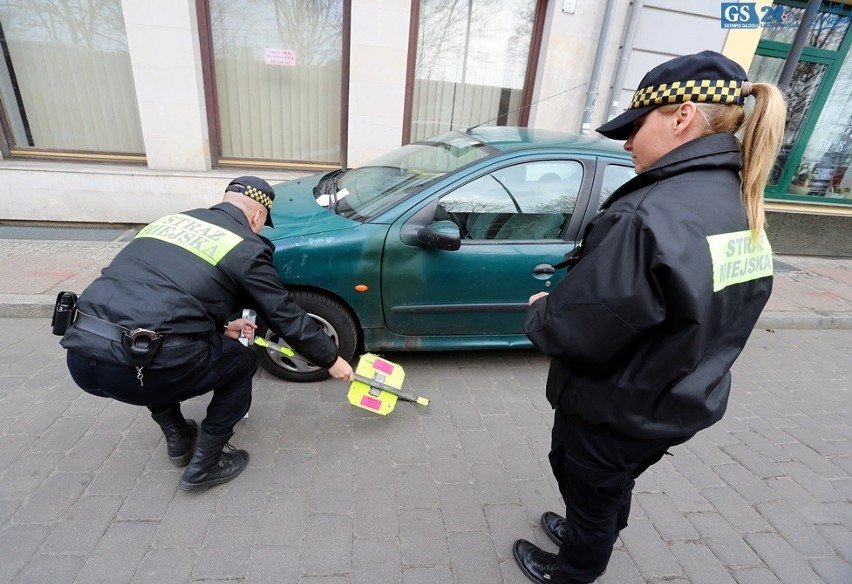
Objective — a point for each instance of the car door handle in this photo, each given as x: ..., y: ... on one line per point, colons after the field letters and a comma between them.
x: 543, y: 270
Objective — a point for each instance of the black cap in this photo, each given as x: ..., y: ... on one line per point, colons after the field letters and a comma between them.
x: 257, y: 189
x: 707, y: 76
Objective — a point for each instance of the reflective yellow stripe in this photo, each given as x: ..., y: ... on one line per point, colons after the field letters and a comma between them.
x: 738, y: 258
x: 209, y: 242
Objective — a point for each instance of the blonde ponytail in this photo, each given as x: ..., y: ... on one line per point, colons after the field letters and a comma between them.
x: 762, y: 132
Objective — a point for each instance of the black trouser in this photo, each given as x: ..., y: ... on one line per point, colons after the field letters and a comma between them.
x: 596, y: 473
x: 225, y: 368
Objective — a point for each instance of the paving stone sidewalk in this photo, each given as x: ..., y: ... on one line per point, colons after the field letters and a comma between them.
x: 335, y: 495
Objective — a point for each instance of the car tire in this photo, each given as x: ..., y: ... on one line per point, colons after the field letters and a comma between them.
x: 332, y: 316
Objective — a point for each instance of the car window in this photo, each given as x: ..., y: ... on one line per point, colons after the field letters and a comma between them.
x: 614, y: 176
x: 527, y: 202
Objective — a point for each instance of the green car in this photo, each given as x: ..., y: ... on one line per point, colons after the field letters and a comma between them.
x: 439, y: 244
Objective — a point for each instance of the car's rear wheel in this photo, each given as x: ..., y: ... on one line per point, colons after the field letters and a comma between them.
x: 332, y: 317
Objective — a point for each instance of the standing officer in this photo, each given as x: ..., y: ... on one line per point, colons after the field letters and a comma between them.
x: 153, y: 330
x: 667, y: 285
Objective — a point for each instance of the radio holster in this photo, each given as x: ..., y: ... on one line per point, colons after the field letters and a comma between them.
x: 64, y: 312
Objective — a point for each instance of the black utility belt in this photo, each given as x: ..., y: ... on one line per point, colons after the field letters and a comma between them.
x: 115, y: 332
x: 140, y: 345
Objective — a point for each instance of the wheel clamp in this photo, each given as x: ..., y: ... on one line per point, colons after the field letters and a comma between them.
x: 378, y: 386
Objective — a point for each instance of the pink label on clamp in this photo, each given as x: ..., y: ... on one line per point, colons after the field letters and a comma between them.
x: 372, y: 403
x: 383, y: 366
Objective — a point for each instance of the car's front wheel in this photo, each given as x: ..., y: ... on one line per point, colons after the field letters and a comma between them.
x: 332, y: 317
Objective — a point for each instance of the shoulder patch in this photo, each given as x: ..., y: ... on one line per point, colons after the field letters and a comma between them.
x: 738, y: 258
x: 205, y: 240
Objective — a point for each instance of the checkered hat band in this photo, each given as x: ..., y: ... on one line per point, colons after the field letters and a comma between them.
x: 258, y: 196
x: 699, y: 90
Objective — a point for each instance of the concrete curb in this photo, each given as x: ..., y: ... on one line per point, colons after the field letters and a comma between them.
x: 26, y: 305
x: 41, y: 306
x: 805, y: 320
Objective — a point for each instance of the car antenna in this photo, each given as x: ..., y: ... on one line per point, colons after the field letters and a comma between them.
x: 524, y: 107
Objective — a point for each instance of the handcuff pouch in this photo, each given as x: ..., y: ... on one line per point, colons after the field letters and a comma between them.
x: 141, y: 346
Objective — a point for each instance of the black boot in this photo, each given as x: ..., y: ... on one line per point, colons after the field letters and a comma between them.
x: 554, y: 526
x: 180, y: 435
x: 210, y: 466
x: 536, y: 564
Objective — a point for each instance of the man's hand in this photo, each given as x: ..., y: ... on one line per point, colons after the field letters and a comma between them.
x: 342, y: 370
x: 536, y: 296
x: 235, y: 328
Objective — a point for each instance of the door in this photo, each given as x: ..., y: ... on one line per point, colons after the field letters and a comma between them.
x: 512, y: 222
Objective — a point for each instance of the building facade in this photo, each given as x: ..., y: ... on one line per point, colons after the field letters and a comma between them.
x: 118, y: 111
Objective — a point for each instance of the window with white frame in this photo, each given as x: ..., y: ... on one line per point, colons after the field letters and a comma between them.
x: 65, y: 78
x: 278, y: 68
x: 471, y: 64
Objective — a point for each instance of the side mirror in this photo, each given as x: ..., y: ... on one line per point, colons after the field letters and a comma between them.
x: 440, y: 235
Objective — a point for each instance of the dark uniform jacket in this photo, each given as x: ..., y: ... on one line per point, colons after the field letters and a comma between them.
x: 187, y: 274
x: 644, y: 329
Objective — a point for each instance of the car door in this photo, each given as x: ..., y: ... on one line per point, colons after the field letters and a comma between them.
x: 512, y: 221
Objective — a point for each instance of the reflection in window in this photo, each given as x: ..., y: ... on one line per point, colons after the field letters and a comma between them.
x: 530, y: 202
x: 471, y: 64
x: 614, y: 176
x: 803, y: 87
x: 829, y: 150
x: 65, y: 78
x: 817, y: 146
x: 278, y: 69
x: 826, y: 29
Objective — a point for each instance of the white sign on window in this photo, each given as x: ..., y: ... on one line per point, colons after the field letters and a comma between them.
x: 285, y: 57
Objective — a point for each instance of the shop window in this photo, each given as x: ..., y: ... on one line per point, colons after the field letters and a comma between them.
x: 472, y: 65
x: 817, y: 146
x: 65, y: 79
x: 278, y: 70
x: 804, y: 85
x: 828, y: 152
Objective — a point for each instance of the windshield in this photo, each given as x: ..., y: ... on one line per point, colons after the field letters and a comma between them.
x: 364, y: 192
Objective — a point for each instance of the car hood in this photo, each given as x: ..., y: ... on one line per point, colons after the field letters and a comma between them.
x: 295, y: 212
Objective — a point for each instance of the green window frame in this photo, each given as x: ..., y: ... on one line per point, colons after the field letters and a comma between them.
x: 833, y: 60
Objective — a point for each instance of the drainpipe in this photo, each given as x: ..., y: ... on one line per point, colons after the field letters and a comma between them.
x: 797, y: 46
x: 624, y: 58
x: 594, y: 81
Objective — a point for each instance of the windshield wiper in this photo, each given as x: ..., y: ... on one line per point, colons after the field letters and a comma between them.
x: 327, y: 185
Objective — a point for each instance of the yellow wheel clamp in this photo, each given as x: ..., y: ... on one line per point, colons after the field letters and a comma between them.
x: 378, y: 385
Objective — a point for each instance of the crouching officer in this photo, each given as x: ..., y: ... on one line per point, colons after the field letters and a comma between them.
x: 153, y: 329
